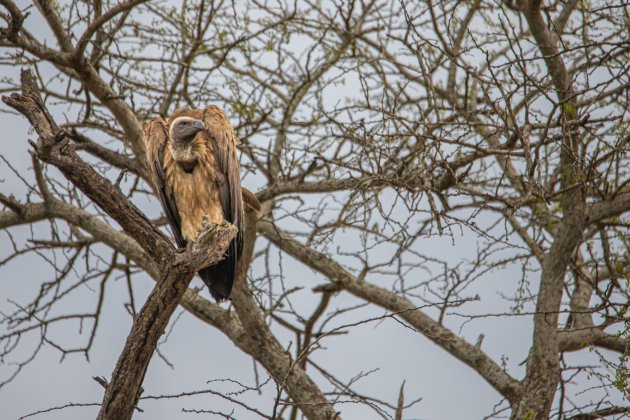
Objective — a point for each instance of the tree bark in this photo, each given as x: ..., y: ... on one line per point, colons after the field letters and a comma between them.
x: 543, y: 364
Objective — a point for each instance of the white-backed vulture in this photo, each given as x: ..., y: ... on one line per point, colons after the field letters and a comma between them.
x: 195, y: 170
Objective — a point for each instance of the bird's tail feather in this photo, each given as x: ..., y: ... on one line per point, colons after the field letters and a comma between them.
x: 219, y: 279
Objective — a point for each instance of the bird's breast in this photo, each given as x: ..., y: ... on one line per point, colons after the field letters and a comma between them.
x: 196, y: 192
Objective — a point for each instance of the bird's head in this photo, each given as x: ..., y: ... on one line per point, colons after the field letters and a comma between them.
x: 182, y: 132
x: 184, y: 129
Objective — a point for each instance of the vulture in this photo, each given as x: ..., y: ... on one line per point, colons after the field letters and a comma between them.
x: 195, y: 171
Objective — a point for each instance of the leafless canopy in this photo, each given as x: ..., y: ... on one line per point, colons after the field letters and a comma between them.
x: 421, y: 158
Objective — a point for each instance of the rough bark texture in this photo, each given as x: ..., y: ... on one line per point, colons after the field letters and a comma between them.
x: 124, y: 389
x: 543, y: 364
x: 264, y: 347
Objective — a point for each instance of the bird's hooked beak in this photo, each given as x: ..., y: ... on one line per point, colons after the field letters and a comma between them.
x: 199, y: 125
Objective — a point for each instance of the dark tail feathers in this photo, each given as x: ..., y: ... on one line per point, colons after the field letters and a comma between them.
x: 219, y: 279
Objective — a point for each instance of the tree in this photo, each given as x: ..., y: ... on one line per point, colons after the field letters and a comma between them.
x: 375, y: 133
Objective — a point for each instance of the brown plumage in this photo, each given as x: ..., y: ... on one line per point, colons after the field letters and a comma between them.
x: 195, y: 169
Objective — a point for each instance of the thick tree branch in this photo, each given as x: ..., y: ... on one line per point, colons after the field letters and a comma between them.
x: 266, y: 348
x: 47, y: 8
x: 543, y: 366
x: 443, y: 337
x: 618, y: 205
x: 124, y: 388
x: 52, y: 147
x: 574, y: 340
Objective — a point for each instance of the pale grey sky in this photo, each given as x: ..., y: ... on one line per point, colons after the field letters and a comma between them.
x: 199, y: 353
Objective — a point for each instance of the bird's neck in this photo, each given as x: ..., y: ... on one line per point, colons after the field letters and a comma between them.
x: 183, y: 154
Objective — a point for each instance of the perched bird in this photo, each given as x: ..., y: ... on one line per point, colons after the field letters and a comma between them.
x: 195, y: 169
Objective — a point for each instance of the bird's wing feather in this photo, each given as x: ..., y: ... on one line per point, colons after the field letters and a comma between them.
x: 228, y: 169
x: 156, y: 139
x: 221, y: 136
x: 224, y: 143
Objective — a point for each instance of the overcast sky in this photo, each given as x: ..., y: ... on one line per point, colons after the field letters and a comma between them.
x: 199, y: 353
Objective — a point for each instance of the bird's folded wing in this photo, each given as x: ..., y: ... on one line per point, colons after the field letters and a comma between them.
x: 156, y: 140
